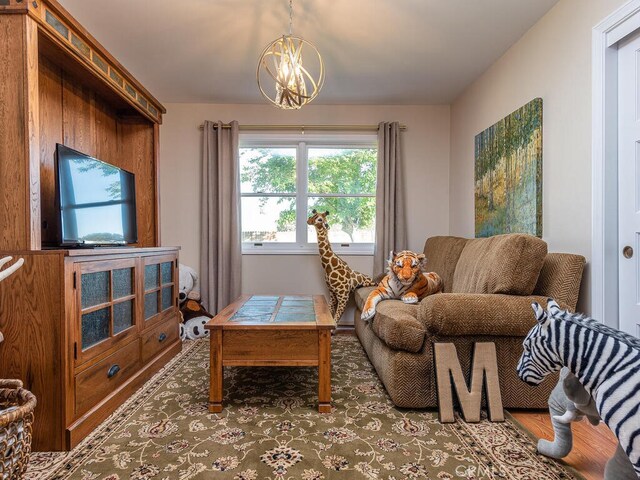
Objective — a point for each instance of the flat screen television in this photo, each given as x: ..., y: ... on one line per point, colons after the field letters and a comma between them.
x: 95, y: 201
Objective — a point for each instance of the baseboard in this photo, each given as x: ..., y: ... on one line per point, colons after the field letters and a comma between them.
x: 345, y: 330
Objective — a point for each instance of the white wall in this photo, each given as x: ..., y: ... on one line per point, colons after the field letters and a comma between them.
x: 426, y: 152
x: 553, y: 61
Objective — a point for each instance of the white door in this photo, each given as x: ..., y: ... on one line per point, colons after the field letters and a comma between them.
x: 629, y: 183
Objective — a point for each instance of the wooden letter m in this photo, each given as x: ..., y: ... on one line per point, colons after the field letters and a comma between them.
x: 484, y: 368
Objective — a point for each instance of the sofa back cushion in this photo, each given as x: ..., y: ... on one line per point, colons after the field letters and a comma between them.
x: 508, y: 264
x: 442, y: 256
x: 560, y: 278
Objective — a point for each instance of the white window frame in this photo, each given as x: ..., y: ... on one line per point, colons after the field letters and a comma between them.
x: 302, y: 142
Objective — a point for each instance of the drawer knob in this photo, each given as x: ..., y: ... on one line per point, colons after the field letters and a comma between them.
x: 162, y: 337
x: 113, y: 370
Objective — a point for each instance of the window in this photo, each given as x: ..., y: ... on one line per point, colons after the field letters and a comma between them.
x: 284, y: 178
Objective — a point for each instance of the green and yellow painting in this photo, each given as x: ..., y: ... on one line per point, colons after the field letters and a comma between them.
x: 508, y: 174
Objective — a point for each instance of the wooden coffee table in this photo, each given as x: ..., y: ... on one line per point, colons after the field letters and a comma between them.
x: 272, y: 331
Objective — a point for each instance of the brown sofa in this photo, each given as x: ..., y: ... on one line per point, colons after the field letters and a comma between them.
x: 489, y: 285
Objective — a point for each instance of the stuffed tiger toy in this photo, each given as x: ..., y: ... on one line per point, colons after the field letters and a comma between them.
x: 406, y: 280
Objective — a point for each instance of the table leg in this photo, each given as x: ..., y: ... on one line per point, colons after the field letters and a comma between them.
x: 324, y: 371
x: 215, y: 373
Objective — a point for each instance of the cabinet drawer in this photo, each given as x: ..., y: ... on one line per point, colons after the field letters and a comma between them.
x: 160, y: 337
x: 107, y: 375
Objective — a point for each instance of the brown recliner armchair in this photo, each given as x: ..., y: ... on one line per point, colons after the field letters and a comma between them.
x: 489, y: 285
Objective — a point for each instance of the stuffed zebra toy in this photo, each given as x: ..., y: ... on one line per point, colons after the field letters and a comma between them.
x: 604, y: 360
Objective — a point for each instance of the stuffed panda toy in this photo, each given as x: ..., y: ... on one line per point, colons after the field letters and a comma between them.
x: 195, y: 317
x: 194, y: 328
x: 189, y: 284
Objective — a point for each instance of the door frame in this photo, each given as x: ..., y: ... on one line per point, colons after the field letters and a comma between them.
x: 604, y: 162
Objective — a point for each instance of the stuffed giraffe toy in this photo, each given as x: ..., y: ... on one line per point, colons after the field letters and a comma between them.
x: 340, y: 278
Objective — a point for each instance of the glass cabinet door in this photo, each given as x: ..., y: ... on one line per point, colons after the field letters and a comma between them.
x: 159, y: 287
x: 106, y: 293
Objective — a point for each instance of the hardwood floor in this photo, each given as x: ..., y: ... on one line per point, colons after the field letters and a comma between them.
x: 592, y: 446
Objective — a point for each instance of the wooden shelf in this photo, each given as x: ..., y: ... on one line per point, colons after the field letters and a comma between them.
x: 90, y: 252
x: 59, y: 85
x: 52, y: 51
x: 75, y: 42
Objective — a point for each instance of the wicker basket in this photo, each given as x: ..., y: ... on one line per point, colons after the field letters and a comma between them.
x: 16, y: 419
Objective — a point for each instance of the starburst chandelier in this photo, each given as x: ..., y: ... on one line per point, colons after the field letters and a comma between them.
x: 282, y: 78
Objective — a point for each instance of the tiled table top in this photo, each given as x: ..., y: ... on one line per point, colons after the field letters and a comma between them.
x: 276, y: 309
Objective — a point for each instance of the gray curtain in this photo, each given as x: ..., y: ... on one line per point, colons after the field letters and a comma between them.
x: 220, y: 255
x: 391, y: 226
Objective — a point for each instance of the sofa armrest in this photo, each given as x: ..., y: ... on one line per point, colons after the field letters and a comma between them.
x: 457, y: 314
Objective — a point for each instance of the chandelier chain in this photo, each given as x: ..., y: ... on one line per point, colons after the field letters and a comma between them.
x: 290, y: 17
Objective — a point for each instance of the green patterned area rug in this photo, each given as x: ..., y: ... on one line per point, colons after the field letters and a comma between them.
x: 270, y: 429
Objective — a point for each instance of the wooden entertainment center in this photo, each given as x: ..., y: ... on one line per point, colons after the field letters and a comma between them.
x: 82, y: 328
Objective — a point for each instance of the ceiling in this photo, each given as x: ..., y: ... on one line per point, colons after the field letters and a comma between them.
x: 375, y: 51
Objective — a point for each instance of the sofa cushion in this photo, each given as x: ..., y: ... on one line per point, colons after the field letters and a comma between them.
x: 360, y: 296
x: 560, y: 278
x: 442, y: 256
x: 508, y: 264
x: 478, y: 314
x: 397, y: 325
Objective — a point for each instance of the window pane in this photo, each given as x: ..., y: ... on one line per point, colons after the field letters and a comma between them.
x: 94, y: 288
x: 122, y: 316
x: 167, y: 298
x: 122, y: 282
x: 95, y: 327
x: 165, y: 272
x: 268, y: 170
x: 268, y: 219
x: 150, y: 304
x: 151, y: 279
x: 342, y: 170
x: 351, y: 219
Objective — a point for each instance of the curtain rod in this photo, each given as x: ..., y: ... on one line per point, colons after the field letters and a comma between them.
x: 352, y: 128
